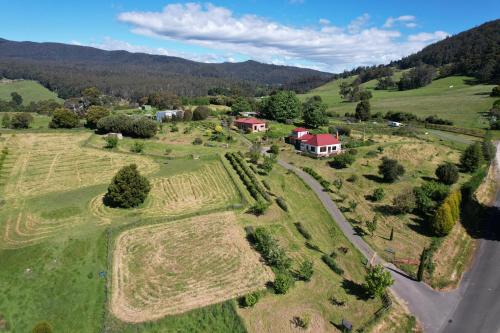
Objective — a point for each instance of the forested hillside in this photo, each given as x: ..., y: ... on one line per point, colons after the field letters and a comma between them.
x: 68, y: 69
x: 475, y: 52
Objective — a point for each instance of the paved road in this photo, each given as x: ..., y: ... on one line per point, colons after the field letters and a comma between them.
x: 479, y: 310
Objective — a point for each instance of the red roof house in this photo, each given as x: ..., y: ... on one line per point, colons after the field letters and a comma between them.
x: 250, y: 124
x: 319, y: 145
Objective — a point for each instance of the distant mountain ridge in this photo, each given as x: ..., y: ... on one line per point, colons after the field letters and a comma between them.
x: 67, y: 69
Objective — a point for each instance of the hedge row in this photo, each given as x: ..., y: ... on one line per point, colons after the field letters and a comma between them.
x: 248, y: 177
x: 467, y: 131
x: 326, y: 184
x: 268, y: 246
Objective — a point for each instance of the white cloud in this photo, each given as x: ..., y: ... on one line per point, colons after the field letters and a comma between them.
x: 426, y: 37
x: 407, y: 20
x: 328, y: 47
x: 111, y: 44
x: 324, y: 21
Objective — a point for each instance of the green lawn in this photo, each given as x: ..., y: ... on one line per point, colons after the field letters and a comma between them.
x: 31, y: 91
x: 452, y: 98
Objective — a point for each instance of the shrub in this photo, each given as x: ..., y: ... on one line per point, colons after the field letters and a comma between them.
x: 341, y: 161
x: 447, y: 173
x: 275, y: 149
x: 6, y: 121
x: 363, y: 110
x: 423, y: 203
x: 94, y: 114
x: 266, y: 185
x: 127, y: 189
x: 352, y: 178
x: 282, y: 203
x: 201, y: 113
x: 390, y: 170
x: 188, y: 115
x: 42, y: 327
x: 330, y: 261
x: 259, y: 207
x: 302, y: 322
x: 436, y: 191
x: 111, y: 142
x: 272, y: 253
x: 250, y: 299
x: 306, y: 270
x: 378, y: 194
x: 283, y: 282
x: 137, y: 147
x: 495, y: 92
x: 472, y: 157
x: 443, y: 221
x: 63, y: 118
x: 377, y: 280
x: 302, y: 230
x: 404, y: 203
x: 197, y: 141
x: 21, y: 120
x: 142, y: 127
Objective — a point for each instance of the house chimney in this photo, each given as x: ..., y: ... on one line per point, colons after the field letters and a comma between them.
x: 337, y: 135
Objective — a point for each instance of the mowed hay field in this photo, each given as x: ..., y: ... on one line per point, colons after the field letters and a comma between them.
x: 174, y: 267
x: 31, y: 91
x: 450, y: 98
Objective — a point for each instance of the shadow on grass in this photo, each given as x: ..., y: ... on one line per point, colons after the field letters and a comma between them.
x: 375, y: 178
x: 384, y: 210
x: 419, y: 225
x: 429, y: 179
x: 355, y: 289
x: 359, y: 231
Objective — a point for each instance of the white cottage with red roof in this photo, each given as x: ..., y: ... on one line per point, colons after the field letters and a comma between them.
x: 250, y: 124
x: 318, y: 145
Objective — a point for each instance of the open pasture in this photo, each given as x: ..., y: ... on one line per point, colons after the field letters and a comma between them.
x: 31, y: 91
x: 43, y: 163
x: 173, y: 267
x: 209, y: 187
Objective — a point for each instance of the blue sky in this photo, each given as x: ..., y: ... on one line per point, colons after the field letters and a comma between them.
x: 327, y: 35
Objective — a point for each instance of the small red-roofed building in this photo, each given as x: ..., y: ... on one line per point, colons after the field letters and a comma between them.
x: 317, y: 145
x: 250, y: 124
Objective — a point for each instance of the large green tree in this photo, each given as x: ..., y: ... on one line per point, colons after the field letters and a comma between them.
x: 63, y: 118
x: 377, y: 280
x: 363, y: 110
x: 282, y: 106
x: 314, y: 112
x: 472, y: 157
x: 390, y: 170
x: 447, y: 173
x: 16, y: 98
x: 21, y: 120
x: 127, y: 189
x: 240, y: 105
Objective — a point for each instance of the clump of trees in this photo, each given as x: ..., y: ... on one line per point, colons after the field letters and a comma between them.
x: 390, y: 170
x: 353, y: 92
x: 314, y: 112
x: 281, y: 106
x: 64, y: 118
x: 137, y: 127
x: 201, y: 113
x: 417, y: 77
x: 240, y: 105
x: 94, y: 114
x: 128, y: 188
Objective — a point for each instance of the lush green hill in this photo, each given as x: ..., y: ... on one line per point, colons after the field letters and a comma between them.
x: 452, y: 98
x: 31, y: 91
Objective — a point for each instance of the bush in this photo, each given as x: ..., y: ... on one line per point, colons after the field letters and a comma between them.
x: 275, y: 149
x: 127, y: 189
x: 341, y: 161
x: 201, y: 113
x: 63, y: 118
x: 378, y: 194
x: 259, y: 207
x: 250, y: 299
x: 423, y: 203
x: 390, y: 170
x: 137, y: 147
x: 142, y: 127
x: 447, y: 173
x: 495, y: 92
x: 21, y: 120
x: 302, y: 230
x: 282, y: 203
x: 111, y: 142
x: 6, y: 121
x: 377, y: 281
x: 283, y: 282
x: 443, y: 221
x: 404, y: 203
x: 306, y: 270
x: 270, y: 250
x: 42, y: 327
x: 330, y: 261
x: 197, y: 141
x: 472, y: 157
x: 94, y: 114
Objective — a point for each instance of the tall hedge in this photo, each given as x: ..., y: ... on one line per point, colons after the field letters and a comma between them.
x: 447, y: 214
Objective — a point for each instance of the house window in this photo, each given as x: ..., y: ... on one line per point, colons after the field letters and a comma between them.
x: 312, y: 148
x: 334, y: 148
x: 322, y: 149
